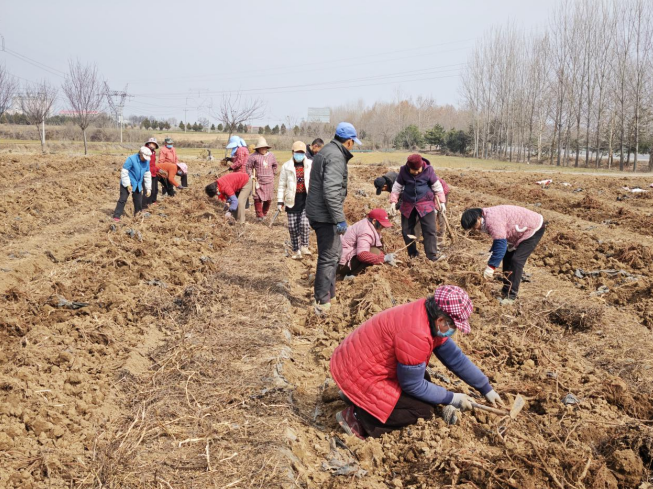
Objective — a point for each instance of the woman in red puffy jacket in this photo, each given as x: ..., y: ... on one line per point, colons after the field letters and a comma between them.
x: 381, y: 366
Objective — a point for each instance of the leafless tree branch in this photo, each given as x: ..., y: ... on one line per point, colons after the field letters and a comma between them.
x: 85, y: 93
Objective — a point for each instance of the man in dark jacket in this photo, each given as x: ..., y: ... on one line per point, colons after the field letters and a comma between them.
x: 314, y: 148
x: 384, y: 183
x: 324, y: 209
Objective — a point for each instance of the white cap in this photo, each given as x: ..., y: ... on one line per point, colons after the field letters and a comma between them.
x: 146, y: 152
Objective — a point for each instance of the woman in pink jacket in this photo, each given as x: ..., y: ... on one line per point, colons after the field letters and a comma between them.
x: 516, y: 232
x: 381, y: 366
x: 361, y: 244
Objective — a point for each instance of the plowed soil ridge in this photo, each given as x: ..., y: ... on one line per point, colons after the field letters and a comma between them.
x: 197, y: 360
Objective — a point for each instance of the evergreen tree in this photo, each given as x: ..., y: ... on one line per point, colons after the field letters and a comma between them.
x: 146, y: 123
x: 220, y: 127
x: 435, y: 136
x: 182, y: 126
x: 409, y: 138
x: 267, y: 129
x: 260, y: 130
x: 212, y: 127
x: 457, y: 141
x: 283, y: 129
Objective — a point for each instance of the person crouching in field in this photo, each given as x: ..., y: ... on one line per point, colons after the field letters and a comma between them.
x: 516, y: 231
x: 422, y: 196
x: 233, y: 188
x: 154, y: 172
x: 168, y: 160
x: 262, y: 165
x: 293, y: 187
x: 135, y: 178
x: 381, y: 366
x: 239, y: 154
x: 361, y: 244
x: 182, y: 171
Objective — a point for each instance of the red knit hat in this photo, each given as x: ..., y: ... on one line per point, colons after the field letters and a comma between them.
x: 415, y: 161
x: 457, y: 304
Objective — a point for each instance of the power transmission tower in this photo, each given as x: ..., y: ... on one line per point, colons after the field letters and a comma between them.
x: 116, y: 100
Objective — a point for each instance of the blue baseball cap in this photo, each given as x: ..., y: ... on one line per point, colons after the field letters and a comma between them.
x: 347, y: 131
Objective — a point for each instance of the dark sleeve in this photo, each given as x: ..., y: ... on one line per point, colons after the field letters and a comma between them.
x: 333, y: 172
x: 499, y: 248
x: 432, y: 177
x: 400, y: 179
x: 412, y: 382
x: 455, y: 360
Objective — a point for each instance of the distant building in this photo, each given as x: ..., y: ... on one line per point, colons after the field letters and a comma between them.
x: 319, y: 114
x: 14, y: 108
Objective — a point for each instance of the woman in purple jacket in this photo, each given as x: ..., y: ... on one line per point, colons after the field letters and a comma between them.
x: 422, y: 196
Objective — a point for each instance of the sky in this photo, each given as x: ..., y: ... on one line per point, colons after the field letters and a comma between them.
x: 179, y: 59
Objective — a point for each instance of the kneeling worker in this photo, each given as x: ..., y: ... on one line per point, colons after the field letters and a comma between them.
x: 381, y: 365
x: 361, y: 244
x: 234, y: 188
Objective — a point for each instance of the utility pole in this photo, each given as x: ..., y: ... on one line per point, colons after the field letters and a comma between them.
x: 186, y: 115
x: 116, y: 101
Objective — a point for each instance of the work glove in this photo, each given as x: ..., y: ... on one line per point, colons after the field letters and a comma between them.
x: 341, y: 227
x: 279, y: 206
x: 227, y: 215
x: 392, y: 211
x: 462, y: 402
x: 389, y: 258
x: 129, y: 189
x: 489, y: 272
x: 443, y: 207
x: 148, y: 194
x: 493, y: 398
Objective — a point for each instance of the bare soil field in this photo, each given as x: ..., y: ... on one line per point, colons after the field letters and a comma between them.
x: 173, y: 350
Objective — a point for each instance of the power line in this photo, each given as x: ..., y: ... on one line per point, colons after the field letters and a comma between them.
x: 37, y: 64
x: 443, y: 68
x: 168, y: 107
x: 322, y: 63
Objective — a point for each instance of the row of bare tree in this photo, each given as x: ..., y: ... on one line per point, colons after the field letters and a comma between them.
x: 82, y: 87
x: 380, y: 123
x: 580, y: 91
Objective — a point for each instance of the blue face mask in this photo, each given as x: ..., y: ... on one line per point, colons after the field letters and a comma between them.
x: 169, y: 146
x: 449, y: 333
x: 299, y: 157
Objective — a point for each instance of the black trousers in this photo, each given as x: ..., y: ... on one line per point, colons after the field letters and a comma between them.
x: 407, y: 411
x: 355, y: 265
x: 329, y: 249
x: 137, y: 197
x: 428, y: 232
x: 147, y: 201
x: 166, y: 187
x: 514, y: 261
